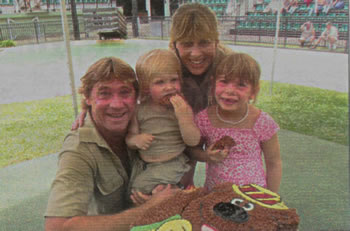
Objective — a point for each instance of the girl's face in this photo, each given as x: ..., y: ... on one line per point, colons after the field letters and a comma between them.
x: 232, y: 95
x: 163, y: 86
x: 197, y: 55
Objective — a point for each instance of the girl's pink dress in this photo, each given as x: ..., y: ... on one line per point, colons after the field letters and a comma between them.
x: 244, y: 164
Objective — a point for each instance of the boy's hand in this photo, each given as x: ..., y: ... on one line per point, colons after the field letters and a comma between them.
x: 181, y: 108
x: 143, y: 141
x: 216, y: 155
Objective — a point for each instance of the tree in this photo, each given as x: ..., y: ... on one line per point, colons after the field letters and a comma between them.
x: 135, y: 28
x: 75, y: 21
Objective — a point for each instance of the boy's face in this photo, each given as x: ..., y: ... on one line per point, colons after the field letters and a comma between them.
x: 163, y: 86
x: 112, y: 105
x: 197, y: 55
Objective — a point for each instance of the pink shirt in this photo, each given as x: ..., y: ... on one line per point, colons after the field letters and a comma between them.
x: 244, y: 164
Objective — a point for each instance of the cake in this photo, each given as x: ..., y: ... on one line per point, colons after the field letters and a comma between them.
x: 225, y: 208
x: 225, y: 141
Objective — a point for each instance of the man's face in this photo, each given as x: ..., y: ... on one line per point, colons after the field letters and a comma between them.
x: 112, y: 105
x: 197, y: 55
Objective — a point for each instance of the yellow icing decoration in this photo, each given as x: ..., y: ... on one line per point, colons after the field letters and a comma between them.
x: 259, y: 201
x: 176, y: 225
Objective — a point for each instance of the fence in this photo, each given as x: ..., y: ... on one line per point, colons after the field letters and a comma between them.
x: 34, y: 32
x: 245, y: 30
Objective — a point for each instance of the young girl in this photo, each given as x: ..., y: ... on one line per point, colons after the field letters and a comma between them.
x: 164, y: 122
x: 236, y: 85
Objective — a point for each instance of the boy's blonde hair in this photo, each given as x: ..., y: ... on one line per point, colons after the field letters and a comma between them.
x: 193, y: 21
x: 241, y: 66
x: 104, y: 70
x: 158, y: 61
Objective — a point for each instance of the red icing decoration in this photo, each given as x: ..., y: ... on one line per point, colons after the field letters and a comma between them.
x: 248, y: 189
x: 258, y: 196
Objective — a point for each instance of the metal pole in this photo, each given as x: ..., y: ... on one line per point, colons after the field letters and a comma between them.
x: 275, y: 49
x: 69, y: 54
x: 348, y: 47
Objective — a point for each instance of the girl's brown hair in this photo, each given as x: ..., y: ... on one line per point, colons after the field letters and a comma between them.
x: 241, y: 66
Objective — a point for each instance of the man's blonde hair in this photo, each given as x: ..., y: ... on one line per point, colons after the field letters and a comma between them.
x: 104, y: 70
x: 158, y: 61
x: 193, y: 21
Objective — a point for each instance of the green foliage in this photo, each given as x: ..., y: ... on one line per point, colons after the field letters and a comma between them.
x: 7, y: 43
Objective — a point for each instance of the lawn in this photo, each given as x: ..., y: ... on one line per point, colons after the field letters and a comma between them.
x: 37, y: 128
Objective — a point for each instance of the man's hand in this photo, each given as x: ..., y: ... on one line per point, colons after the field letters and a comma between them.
x: 79, y: 122
x: 143, y: 141
x: 159, y: 193
x: 216, y: 155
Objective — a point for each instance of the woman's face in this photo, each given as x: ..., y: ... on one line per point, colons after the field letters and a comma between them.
x: 197, y: 55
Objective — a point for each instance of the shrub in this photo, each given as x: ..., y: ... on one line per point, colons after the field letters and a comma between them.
x: 7, y: 43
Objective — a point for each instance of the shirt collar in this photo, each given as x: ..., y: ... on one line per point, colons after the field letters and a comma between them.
x: 88, y: 133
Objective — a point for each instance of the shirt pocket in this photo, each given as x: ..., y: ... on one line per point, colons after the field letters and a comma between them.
x: 110, y: 195
x: 109, y: 180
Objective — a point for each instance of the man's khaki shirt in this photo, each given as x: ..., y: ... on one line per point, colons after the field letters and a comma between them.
x: 90, y: 179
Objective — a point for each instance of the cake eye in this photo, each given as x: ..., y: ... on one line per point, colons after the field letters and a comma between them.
x: 236, y: 201
x: 248, y: 207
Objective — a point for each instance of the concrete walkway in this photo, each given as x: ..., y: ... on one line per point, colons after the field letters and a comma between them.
x: 315, y: 181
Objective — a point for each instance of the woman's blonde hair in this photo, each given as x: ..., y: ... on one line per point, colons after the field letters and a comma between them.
x: 241, y: 66
x: 158, y: 61
x: 193, y: 21
x: 104, y: 70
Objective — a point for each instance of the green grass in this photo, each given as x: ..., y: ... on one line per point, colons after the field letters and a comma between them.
x: 307, y: 110
x: 33, y: 129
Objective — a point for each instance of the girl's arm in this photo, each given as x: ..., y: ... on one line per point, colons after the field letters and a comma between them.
x: 134, y: 139
x: 184, y: 114
x: 273, y: 162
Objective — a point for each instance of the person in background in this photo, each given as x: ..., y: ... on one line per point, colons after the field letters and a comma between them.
x: 338, y: 4
x: 308, y: 2
x: 307, y: 33
x: 330, y: 35
x: 293, y: 6
x: 327, y: 6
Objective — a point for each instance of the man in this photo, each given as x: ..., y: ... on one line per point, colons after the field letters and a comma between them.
x: 330, y: 35
x: 91, y: 188
x: 307, y: 33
